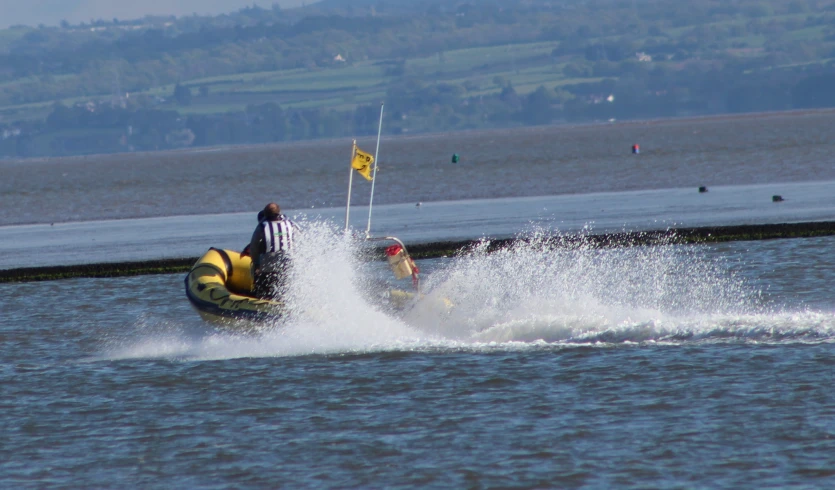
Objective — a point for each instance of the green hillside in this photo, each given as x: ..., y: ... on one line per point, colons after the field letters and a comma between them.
x: 260, y: 75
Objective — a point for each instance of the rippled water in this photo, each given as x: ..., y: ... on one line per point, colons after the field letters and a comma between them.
x: 643, y: 367
x: 638, y: 367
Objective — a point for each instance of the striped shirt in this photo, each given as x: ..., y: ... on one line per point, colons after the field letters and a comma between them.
x: 272, y: 238
x: 278, y: 235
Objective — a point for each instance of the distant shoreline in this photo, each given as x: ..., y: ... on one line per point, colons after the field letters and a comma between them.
x: 306, y: 143
x: 698, y: 235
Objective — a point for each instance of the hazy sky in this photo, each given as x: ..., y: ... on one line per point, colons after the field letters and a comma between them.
x: 52, y: 12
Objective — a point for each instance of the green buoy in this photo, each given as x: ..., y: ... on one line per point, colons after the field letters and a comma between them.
x: 455, y: 158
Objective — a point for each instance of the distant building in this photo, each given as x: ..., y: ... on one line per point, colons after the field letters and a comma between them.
x: 599, y: 99
x: 339, y: 58
x: 643, y: 57
x: 10, y: 133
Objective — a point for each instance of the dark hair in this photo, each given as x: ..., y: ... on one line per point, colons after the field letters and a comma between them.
x: 272, y: 211
x: 261, y: 216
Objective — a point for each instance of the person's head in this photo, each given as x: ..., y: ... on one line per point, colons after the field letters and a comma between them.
x: 261, y: 216
x: 272, y: 211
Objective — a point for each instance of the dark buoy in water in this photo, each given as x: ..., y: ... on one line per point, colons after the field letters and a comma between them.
x: 636, y: 149
x: 455, y: 158
x: 702, y: 189
x: 777, y: 198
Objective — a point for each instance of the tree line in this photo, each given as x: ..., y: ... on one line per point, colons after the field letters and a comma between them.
x: 619, y: 59
x: 411, y: 108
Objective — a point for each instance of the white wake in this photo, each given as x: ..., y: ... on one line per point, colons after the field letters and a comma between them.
x: 533, y: 293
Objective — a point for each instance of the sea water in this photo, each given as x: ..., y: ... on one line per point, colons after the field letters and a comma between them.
x: 671, y: 366
x: 634, y: 367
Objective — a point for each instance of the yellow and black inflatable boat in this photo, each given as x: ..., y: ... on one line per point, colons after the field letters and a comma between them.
x: 219, y: 287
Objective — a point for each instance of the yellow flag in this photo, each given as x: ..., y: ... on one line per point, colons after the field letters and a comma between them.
x: 362, y: 163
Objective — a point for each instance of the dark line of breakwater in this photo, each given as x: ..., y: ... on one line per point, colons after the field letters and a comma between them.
x: 705, y: 234
x: 708, y: 234
x: 112, y: 269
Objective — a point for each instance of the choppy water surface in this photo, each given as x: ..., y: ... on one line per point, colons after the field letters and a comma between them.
x: 636, y: 367
x: 571, y: 367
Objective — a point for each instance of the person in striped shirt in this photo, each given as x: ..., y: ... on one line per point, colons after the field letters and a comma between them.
x: 270, y: 247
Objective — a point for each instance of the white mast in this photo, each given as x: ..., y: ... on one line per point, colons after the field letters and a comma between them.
x: 374, y: 175
x: 350, y: 182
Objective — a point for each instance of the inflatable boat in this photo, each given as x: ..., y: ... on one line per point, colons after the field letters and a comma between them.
x: 219, y: 287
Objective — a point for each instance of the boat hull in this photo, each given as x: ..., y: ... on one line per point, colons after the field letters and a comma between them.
x: 219, y: 287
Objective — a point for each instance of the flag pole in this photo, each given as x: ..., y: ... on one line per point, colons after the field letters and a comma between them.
x: 350, y: 182
x: 374, y: 176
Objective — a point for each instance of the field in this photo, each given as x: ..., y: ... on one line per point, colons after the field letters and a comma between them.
x: 526, y: 66
x: 481, y: 70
